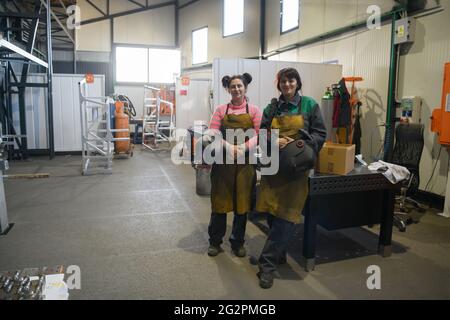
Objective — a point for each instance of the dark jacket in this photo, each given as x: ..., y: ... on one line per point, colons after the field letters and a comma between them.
x: 311, y: 112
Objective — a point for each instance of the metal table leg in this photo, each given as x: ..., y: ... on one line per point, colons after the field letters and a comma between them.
x: 387, y: 219
x: 309, y: 237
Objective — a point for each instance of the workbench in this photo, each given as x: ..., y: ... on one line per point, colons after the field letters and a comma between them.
x: 360, y: 198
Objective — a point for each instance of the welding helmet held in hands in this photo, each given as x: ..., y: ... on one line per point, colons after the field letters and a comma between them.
x: 298, y: 156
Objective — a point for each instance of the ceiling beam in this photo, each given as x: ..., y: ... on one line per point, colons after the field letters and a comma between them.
x: 95, y: 7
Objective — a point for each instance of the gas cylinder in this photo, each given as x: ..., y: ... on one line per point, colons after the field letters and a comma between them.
x: 122, y: 122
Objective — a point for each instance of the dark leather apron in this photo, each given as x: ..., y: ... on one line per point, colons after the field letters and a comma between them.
x: 232, y: 184
x: 280, y: 196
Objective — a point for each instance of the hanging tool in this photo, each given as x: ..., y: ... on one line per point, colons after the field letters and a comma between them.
x: 355, y: 104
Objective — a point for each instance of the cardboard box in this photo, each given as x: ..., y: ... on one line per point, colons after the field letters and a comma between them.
x: 336, y: 158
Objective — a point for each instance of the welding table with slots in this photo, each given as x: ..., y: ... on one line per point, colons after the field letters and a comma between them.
x: 360, y: 198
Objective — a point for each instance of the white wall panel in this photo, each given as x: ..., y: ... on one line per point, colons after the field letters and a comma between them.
x: 342, y: 50
x: 205, y: 73
x: 66, y: 111
x: 195, y: 106
x: 94, y: 37
x: 209, y: 13
x: 221, y: 68
x: 311, y: 54
x: 339, y: 13
x: 152, y: 27
x: 315, y: 78
x: 89, y: 12
x: 253, y: 67
x: 318, y: 17
x: 311, y: 20
x: 371, y: 61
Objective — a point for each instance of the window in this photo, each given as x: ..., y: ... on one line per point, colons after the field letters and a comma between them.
x: 200, y: 46
x: 147, y: 65
x: 131, y: 64
x: 290, y: 10
x: 233, y: 17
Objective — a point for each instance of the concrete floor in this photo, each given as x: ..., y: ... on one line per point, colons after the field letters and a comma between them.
x: 141, y: 233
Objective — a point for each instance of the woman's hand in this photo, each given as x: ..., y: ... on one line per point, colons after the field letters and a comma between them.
x: 235, y: 151
x: 238, y: 151
x: 283, y: 142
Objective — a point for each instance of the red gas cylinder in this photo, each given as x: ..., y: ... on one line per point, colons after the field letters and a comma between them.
x: 122, y: 122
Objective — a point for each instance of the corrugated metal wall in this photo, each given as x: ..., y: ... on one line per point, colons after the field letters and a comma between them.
x: 209, y: 13
x: 100, y: 68
x: 66, y: 111
x: 422, y: 73
x: 366, y: 54
x: 151, y: 27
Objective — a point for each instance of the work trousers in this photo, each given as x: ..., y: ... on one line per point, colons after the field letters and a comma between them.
x: 218, y: 226
x: 276, y: 244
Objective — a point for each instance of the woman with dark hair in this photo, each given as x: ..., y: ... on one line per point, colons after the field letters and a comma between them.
x: 232, y: 184
x: 281, y: 196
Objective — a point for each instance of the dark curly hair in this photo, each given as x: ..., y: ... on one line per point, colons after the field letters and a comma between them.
x: 289, y: 73
x: 246, y: 79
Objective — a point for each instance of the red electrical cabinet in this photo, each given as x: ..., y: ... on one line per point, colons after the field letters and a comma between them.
x: 440, y: 120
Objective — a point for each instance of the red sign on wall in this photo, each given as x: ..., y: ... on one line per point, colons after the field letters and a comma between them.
x: 185, y: 81
x: 89, y: 78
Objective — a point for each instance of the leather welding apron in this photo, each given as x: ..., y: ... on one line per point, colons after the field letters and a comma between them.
x: 232, y: 184
x: 281, y: 196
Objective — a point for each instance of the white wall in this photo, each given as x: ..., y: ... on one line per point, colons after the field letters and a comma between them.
x: 317, y: 17
x: 366, y: 53
x: 94, y: 37
x: 263, y: 88
x: 422, y: 74
x: 66, y: 111
x: 209, y: 13
x: 152, y: 27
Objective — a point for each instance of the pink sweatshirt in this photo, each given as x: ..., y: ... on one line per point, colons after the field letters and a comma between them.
x: 255, y: 114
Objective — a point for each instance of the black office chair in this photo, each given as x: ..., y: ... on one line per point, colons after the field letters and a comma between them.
x: 408, y: 149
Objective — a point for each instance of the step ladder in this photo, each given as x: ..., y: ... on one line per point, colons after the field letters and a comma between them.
x: 156, y: 129
x: 97, y: 137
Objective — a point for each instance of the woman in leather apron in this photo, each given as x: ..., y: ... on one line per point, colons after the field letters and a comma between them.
x: 232, y: 183
x: 280, y: 196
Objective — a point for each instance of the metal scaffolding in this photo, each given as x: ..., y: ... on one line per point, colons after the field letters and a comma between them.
x: 97, y: 135
x: 26, y: 33
x: 155, y: 129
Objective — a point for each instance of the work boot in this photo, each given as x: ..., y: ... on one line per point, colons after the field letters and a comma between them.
x: 214, y: 250
x: 239, y: 251
x: 265, y: 280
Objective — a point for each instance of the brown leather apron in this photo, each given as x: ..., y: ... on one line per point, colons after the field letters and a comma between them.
x: 280, y: 196
x: 232, y: 184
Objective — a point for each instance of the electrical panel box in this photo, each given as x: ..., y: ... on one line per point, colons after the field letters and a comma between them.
x: 411, y: 109
x: 440, y: 120
x: 405, y: 30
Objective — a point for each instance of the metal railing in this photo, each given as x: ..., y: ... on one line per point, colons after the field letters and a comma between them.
x: 156, y: 130
x: 97, y: 137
